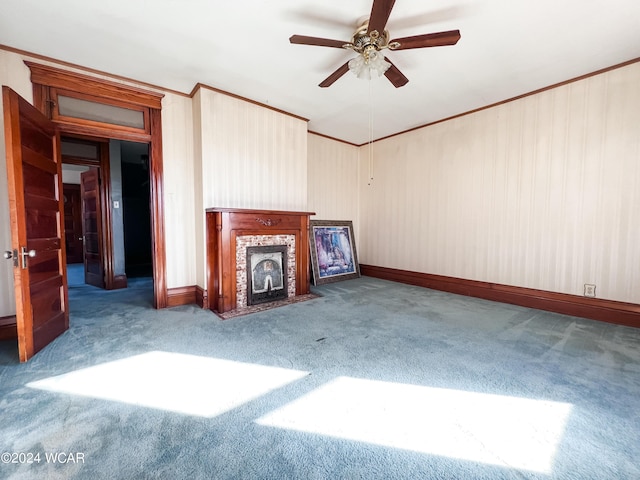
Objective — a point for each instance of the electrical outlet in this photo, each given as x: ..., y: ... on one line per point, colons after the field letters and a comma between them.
x: 589, y: 290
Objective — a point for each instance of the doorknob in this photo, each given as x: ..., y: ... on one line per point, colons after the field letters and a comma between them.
x: 8, y: 254
x: 26, y: 253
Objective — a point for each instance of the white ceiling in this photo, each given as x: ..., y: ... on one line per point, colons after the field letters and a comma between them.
x: 508, y: 48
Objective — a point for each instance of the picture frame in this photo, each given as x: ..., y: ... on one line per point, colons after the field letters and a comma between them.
x: 333, y: 251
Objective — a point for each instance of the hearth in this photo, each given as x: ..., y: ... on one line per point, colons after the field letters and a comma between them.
x: 266, y: 274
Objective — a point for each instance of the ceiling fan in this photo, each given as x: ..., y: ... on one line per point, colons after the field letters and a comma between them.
x: 369, y: 39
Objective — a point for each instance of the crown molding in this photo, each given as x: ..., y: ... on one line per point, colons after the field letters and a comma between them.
x: 199, y: 86
x: 239, y: 97
x: 512, y: 99
x: 334, y: 138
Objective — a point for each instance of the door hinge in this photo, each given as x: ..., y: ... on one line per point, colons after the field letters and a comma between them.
x: 50, y: 105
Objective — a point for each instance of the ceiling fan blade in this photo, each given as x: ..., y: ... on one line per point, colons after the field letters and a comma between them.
x: 380, y: 11
x: 321, y: 42
x: 395, y: 76
x: 327, y: 82
x: 428, y: 40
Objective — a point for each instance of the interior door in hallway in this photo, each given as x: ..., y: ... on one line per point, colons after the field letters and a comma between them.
x: 73, y: 223
x: 92, y: 227
x: 34, y: 178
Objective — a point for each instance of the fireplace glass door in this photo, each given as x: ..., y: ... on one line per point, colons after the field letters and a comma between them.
x: 267, y: 273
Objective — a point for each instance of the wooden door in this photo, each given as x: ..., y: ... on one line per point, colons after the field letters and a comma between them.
x: 73, y: 223
x: 92, y: 227
x: 34, y: 177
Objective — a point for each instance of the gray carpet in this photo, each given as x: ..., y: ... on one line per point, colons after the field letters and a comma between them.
x: 373, y: 380
x: 75, y: 274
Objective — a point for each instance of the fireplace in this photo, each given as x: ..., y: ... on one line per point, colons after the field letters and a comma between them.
x: 233, y: 235
x: 266, y: 274
x: 243, y: 267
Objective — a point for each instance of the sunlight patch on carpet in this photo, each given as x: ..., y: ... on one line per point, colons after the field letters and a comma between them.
x: 499, y: 430
x: 175, y: 382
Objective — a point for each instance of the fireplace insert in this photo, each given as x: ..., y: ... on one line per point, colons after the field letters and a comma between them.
x: 266, y: 273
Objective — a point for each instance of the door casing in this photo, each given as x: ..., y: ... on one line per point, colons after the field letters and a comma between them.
x: 48, y: 79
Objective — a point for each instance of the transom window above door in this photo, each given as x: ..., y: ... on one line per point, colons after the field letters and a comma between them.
x: 71, y: 105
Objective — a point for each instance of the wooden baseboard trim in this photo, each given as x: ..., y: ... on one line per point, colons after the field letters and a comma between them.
x: 8, y: 328
x: 202, y: 299
x: 119, y: 281
x: 187, y: 295
x: 181, y: 296
x: 610, y: 311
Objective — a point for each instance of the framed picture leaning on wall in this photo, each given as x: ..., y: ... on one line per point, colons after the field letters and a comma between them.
x: 333, y: 251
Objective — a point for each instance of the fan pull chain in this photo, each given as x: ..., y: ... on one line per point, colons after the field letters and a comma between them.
x: 370, y: 134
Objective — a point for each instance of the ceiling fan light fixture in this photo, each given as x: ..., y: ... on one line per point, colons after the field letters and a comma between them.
x: 371, y: 38
x: 368, y: 62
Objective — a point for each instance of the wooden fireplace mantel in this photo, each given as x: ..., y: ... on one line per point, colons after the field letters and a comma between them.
x: 224, y: 225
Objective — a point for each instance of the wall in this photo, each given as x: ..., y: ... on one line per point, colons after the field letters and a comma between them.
x: 332, y: 174
x: 332, y: 178
x: 541, y: 192
x: 179, y: 197
x: 117, y: 220
x: 250, y: 157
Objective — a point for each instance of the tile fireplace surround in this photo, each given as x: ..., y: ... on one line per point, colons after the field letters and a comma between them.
x: 230, y: 231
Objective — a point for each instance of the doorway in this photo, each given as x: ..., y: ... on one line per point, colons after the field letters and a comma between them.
x: 108, y: 229
x: 136, y: 211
